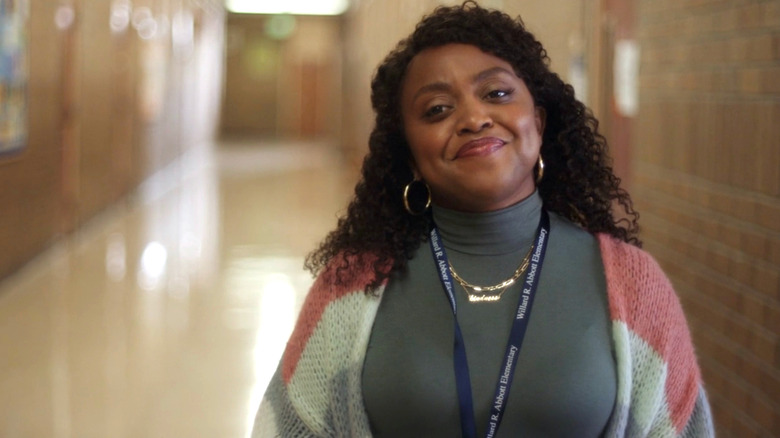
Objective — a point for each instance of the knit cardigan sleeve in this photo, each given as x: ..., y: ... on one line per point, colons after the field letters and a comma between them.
x: 316, y: 391
x: 660, y: 392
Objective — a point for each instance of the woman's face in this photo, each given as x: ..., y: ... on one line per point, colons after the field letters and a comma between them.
x: 472, y: 127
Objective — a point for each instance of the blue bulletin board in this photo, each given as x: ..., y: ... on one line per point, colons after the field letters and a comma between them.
x: 13, y: 75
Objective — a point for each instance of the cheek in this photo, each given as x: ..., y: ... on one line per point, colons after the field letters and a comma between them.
x: 527, y: 124
x: 423, y: 163
x: 528, y: 129
x: 423, y: 142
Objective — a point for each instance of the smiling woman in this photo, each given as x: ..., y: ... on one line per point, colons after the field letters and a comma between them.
x: 560, y: 325
x: 472, y: 128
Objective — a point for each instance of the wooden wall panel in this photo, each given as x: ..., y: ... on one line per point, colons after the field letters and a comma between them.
x: 288, y: 87
x: 101, y: 118
x: 252, y: 75
x: 29, y: 198
x: 94, y: 108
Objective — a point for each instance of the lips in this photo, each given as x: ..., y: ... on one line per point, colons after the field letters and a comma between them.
x: 480, y: 147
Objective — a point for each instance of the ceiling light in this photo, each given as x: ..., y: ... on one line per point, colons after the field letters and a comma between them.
x: 297, y: 7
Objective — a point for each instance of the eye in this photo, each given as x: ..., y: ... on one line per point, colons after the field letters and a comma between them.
x: 498, y: 94
x: 434, y: 111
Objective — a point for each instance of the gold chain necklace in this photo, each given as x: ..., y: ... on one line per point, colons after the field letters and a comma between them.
x: 478, y: 294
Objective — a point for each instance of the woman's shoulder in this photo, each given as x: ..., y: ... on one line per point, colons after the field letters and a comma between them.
x: 632, y: 272
x: 574, y: 234
x: 621, y: 252
x: 346, y: 272
x: 340, y: 287
x: 625, y: 264
x: 642, y: 297
x: 344, y: 275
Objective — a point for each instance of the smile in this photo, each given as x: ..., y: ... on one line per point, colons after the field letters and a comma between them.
x: 480, y: 147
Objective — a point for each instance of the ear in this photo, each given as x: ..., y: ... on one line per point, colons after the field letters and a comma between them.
x: 540, y: 115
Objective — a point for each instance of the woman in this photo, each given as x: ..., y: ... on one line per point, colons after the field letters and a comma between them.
x: 480, y: 283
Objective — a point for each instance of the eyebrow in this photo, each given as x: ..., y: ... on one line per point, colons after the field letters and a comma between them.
x: 443, y: 86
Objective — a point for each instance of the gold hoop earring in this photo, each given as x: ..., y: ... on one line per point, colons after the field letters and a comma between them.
x: 406, y: 198
x: 540, y: 165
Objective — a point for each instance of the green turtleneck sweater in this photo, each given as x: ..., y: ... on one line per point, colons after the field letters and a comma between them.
x: 565, y: 381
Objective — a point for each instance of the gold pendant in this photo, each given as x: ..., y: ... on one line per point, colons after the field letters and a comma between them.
x: 483, y: 297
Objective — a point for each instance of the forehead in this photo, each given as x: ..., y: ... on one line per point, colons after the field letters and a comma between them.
x: 448, y: 63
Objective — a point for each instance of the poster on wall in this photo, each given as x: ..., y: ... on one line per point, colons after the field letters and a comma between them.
x: 13, y: 76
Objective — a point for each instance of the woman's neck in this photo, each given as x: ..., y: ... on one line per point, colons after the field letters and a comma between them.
x: 492, y: 233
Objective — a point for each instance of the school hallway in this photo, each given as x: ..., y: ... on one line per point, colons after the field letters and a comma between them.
x: 166, y: 166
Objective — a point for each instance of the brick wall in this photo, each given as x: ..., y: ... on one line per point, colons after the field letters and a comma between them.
x: 707, y: 182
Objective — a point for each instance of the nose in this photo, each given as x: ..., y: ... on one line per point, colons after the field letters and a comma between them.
x: 474, y: 118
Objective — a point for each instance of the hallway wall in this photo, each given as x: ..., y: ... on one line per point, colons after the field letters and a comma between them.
x: 117, y: 90
x: 707, y: 183
x: 283, y: 77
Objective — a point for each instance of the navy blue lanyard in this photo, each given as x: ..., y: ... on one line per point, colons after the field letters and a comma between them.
x: 507, y: 371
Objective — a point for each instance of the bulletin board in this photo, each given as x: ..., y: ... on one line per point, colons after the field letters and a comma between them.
x: 13, y: 76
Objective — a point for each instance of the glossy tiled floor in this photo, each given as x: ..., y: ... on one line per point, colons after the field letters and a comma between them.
x: 166, y: 316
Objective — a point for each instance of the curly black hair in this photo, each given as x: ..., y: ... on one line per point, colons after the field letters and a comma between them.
x: 578, y: 182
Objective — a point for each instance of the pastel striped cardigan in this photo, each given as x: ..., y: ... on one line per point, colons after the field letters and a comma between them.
x: 316, y: 390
